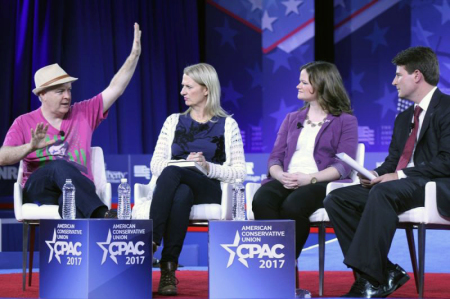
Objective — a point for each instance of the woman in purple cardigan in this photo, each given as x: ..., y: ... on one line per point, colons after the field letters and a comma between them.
x: 303, y: 158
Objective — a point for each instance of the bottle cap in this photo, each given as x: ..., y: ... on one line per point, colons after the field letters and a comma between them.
x: 238, y: 181
x: 123, y: 180
x: 68, y: 180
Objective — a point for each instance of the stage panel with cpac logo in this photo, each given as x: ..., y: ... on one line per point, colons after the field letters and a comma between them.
x: 252, y: 259
x: 95, y: 258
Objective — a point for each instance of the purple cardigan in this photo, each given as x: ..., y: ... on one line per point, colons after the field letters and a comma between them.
x: 338, y: 134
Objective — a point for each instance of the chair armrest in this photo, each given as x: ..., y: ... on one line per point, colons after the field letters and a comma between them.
x: 107, y: 195
x: 250, y: 190
x: 227, y: 201
x: 432, y: 215
x: 18, y: 201
x: 334, y: 185
x: 141, y: 191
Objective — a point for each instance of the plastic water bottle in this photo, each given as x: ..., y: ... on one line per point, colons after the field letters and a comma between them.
x: 68, y: 209
x: 238, y: 210
x: 124, y: 208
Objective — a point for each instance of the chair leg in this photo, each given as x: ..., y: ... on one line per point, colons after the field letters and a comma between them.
x: 355, y: 274
x: 422, y: 236
x: 31, y: 254
x: 321, y: 256
x: 413, y: 255
x: 24, y: 253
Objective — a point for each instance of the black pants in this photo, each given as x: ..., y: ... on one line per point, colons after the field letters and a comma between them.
x: 273, y: 201
x: 44, y: 186
x: 177, y: 190
x: 365, y: 221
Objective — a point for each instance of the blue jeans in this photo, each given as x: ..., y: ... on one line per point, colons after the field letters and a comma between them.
x: 44, y: 186
x: 177, y: 190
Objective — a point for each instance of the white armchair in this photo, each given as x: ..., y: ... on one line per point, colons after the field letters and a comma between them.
x: 200, y: 214
x: 30, y: 214
x: 422, y: 218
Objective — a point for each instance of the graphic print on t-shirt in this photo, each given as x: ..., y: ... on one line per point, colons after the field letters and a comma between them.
x: 61, y: 149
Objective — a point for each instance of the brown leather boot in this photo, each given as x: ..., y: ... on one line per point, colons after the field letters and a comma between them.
x: 168, y: 282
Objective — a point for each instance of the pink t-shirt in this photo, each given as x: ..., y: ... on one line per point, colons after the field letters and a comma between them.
x: 73, y: 141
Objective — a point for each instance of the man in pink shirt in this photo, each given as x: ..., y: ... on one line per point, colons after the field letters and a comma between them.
x: 54, y: 141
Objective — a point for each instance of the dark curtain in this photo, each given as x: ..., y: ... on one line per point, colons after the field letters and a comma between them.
x: 90, y: 40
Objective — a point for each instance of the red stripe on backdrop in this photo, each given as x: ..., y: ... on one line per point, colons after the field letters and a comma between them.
x: 114, y: 205
x: 355, y: 14
x: 274, y: 45
x: 6, y: 206
x: 315, y: 230
x: 243, y: 21
x: 198, y: 229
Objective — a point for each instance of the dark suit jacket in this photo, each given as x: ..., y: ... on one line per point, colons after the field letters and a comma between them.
x: 432, y: 153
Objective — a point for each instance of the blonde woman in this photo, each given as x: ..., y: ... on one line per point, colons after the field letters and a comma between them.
x: 206, y: 134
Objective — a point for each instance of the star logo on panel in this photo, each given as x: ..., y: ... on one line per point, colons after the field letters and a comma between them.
x: 105, y: 247
x: 58, y: 248
x: 233, y: 253
x: 50, y: 245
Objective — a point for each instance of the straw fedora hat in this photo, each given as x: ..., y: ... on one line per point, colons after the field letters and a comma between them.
x: 50, y: 75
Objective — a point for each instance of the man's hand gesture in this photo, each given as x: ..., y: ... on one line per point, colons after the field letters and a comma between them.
x: 38, y: 137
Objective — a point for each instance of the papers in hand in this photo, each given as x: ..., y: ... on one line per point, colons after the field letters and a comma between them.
x: 189, y: 164
x: 353, y: 164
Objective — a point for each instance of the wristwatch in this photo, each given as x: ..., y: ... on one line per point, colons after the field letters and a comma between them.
x: 313, y: 180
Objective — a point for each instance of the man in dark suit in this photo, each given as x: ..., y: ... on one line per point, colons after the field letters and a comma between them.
x: 365, y: 216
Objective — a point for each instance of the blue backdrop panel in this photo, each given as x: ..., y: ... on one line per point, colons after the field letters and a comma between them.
x: 368, y: 34
x: 256, y: 258
x: 90, y: 258
x: 91, y: 40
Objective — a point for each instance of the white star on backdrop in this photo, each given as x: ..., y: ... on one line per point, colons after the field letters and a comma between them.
x: 227, y: 34
x: 231, y: 95
x: 422, y: 34
x: 377, y: 36
x: 356, y: 81
x: 267, y: 21
x: 292, y: 6
x: 279, y: 58
x: 339, y: 2
x: 444, y: 9
x: 256, y: 4
x: 387, y: 101
x: 281, y: 113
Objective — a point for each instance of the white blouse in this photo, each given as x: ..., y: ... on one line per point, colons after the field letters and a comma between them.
x: 303, y: 158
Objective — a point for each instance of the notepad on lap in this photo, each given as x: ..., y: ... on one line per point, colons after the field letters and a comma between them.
x: 188, y: 164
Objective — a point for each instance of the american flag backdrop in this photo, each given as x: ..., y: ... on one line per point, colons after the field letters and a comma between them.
x: 258, y: 46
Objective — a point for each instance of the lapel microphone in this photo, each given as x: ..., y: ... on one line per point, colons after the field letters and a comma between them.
x: 62, y: 133
x: 299, y: 125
